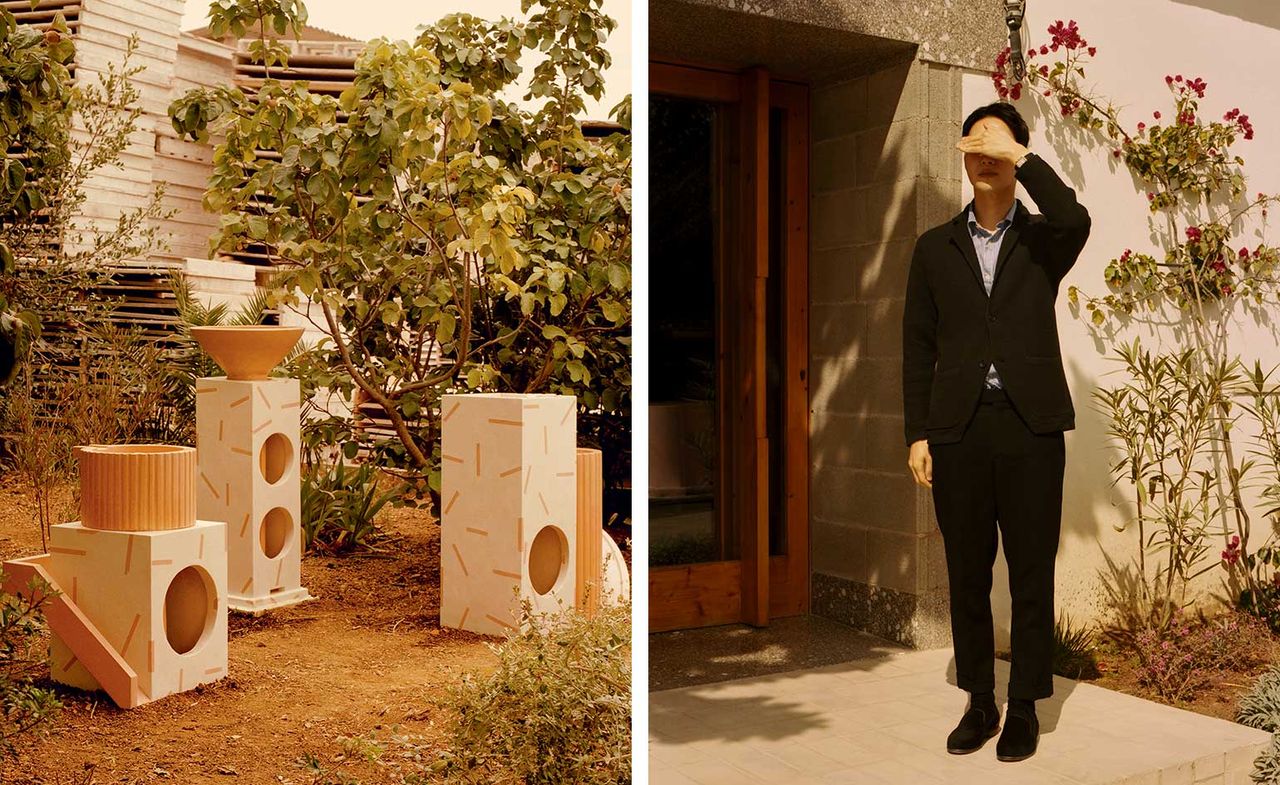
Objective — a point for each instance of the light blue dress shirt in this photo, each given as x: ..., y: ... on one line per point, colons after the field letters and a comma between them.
x: 987, y: 246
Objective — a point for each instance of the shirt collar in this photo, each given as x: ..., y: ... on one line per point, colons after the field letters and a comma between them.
x: 974, y: 226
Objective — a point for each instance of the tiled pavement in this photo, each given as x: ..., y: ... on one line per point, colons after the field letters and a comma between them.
x: 885, y: 720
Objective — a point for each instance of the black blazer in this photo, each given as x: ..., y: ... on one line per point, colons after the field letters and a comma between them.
x: 952, y: 330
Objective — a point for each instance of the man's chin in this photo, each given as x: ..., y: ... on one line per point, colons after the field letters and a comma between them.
x: 986, y: 184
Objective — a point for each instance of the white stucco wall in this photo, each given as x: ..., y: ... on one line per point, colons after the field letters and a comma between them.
x: 400, y: 18
x: 1236, y: 50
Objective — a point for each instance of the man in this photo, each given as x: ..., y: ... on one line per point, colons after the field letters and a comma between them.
x: 986, y: 404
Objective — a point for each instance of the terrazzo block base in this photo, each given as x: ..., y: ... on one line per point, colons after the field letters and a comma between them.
x: 247, y: 439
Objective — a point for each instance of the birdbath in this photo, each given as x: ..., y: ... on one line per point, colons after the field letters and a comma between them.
x: 247, y: 353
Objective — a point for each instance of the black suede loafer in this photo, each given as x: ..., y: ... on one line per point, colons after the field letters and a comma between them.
x: 1018, y: 741
x: 976, y: 726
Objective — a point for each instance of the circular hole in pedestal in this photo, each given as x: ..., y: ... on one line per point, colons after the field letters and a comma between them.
x: 274, y: 533
x: 275, y: 458
x: 190, y: 605
x: 548, y: 558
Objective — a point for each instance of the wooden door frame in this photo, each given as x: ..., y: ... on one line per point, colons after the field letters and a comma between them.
x: 755, y: 587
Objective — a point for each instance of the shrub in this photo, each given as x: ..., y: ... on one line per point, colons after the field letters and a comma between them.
x: 339, y: 504
x: 24, y: 707
x: 1073, y: 654
x: 1266, y: 767
x: 556, y: 710
x: 1260, y: 706
x: 1178, y: 660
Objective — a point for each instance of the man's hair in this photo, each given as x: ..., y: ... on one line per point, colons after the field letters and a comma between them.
x: 1002, y: 111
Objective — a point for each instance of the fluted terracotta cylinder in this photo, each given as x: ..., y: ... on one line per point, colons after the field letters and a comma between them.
x: 137, y: 487
x: 589, y: 522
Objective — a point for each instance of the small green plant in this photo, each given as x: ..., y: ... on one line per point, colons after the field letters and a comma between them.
x: 557, y: 709
x: 340, y: 503
x: 1073, y: 652
x: 1260, y: 706
x: 24, y: 707
x: 321, y: 774
x: 1266, y: 767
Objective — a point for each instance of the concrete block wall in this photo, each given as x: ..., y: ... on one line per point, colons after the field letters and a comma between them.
x: 884, y: 169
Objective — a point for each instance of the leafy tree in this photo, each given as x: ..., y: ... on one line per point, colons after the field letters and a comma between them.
x: 445, y: 238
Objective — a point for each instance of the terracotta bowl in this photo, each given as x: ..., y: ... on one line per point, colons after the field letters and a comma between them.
x: 137, y: 487
x: 247, y: 353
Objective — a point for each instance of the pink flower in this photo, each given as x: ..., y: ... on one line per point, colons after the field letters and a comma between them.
x: 1168, y: 79
x: 1141, y: 126
x: 1156, y: 115
x: 1044, y: 50
x: 1067, y: 35
x: 1244, y: 253
x: 1015, y: 92
x: 1093, y: 50
x: 1178, y: 78
x: 1193, y: 233
x: 1116, y: 153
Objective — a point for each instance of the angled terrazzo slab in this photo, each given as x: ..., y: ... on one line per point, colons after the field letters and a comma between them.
x: 247, y: 438
x: 508, y: 508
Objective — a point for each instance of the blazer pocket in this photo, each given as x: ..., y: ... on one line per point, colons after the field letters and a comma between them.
x: 945, y: 402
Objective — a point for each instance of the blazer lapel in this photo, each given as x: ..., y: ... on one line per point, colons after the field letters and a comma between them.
x: 964, y: 242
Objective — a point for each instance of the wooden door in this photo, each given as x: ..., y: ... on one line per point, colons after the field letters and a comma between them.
x: 729, y: 222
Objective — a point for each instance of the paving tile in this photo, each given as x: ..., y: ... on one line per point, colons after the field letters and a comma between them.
x: 765, y: 767
x: 669, y: 777
x: 806, y: 759
x: 848, y: 750
x: 677, y: 755
x: 719, y: 773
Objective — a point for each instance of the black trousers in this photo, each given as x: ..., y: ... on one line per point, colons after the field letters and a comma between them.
x: 1001, y: 473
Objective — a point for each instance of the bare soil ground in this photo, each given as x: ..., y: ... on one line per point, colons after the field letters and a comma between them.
x: 350, y: 678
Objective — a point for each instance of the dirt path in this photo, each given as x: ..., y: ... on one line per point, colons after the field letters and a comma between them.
x: 363, y: 661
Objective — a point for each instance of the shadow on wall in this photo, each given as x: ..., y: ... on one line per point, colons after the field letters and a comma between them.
x: 866, y: 202
x: 1267, y: 14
